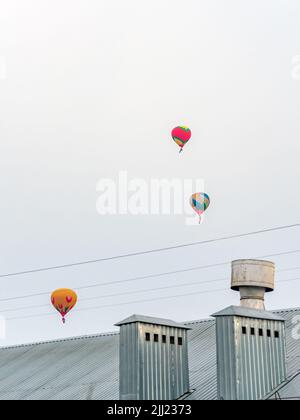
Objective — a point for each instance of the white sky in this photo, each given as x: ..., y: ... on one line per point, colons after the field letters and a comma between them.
x: 93, y: 87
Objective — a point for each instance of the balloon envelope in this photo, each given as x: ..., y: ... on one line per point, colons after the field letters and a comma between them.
x: 64, y: 301
x: 181, y: 135
x: 200, y: 202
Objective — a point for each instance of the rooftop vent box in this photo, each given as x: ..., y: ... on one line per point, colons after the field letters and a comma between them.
x: 251, y: 351
x: 153, y: 359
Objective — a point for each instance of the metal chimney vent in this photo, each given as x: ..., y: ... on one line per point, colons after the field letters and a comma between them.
x: 253, y: 278
x: 251, y: 352
x: 153, y: 359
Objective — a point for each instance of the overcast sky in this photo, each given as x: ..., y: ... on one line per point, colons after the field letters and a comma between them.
x: 90, y: 88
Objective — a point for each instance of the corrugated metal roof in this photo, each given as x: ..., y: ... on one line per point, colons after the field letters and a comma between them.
x: 248, y: 313
x: 289, y: 390
x: 84, y: 368
x: 87, y: 368
x: 151, y: 320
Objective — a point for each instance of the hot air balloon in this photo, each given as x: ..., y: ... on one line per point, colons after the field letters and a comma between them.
x: 181, y: 135
x: 200, y: 203
x: 64, y: 301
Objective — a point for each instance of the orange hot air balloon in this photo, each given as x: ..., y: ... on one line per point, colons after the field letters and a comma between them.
x: 64, y: 301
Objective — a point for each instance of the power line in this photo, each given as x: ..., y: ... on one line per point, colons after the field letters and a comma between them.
x: 176, y: 286
x: 129, y: 280
x: 289, y: 269
x: 197, y: 268
x: 288, y: 280
x: 195, y: 283
x: 133, y: 302
x: 151, y: 251
x: 123, y: 303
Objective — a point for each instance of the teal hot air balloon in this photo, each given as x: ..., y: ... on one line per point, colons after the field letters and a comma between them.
x: 200, y: 203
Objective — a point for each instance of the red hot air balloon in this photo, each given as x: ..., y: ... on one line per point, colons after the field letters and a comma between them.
x: 181, y: 135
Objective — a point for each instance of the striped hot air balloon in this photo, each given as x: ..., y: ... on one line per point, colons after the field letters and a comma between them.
x: 181, y: 135
x: 200, y: 203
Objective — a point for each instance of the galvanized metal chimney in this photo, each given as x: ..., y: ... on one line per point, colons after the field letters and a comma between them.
x: 251, y: 353
x: 253, y: 278
x: 153, y: 359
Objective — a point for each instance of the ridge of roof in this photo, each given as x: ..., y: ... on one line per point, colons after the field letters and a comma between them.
x: 199, y: 321
x: 241, y: 311
x: 278, y: 311
x: 116, y: 333
x: 61, y: 340
x: 282, y: 385
x: 151, y: 320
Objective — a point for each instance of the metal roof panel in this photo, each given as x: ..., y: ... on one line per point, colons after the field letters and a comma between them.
x: 248, y: 313
x: 88, y: 367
